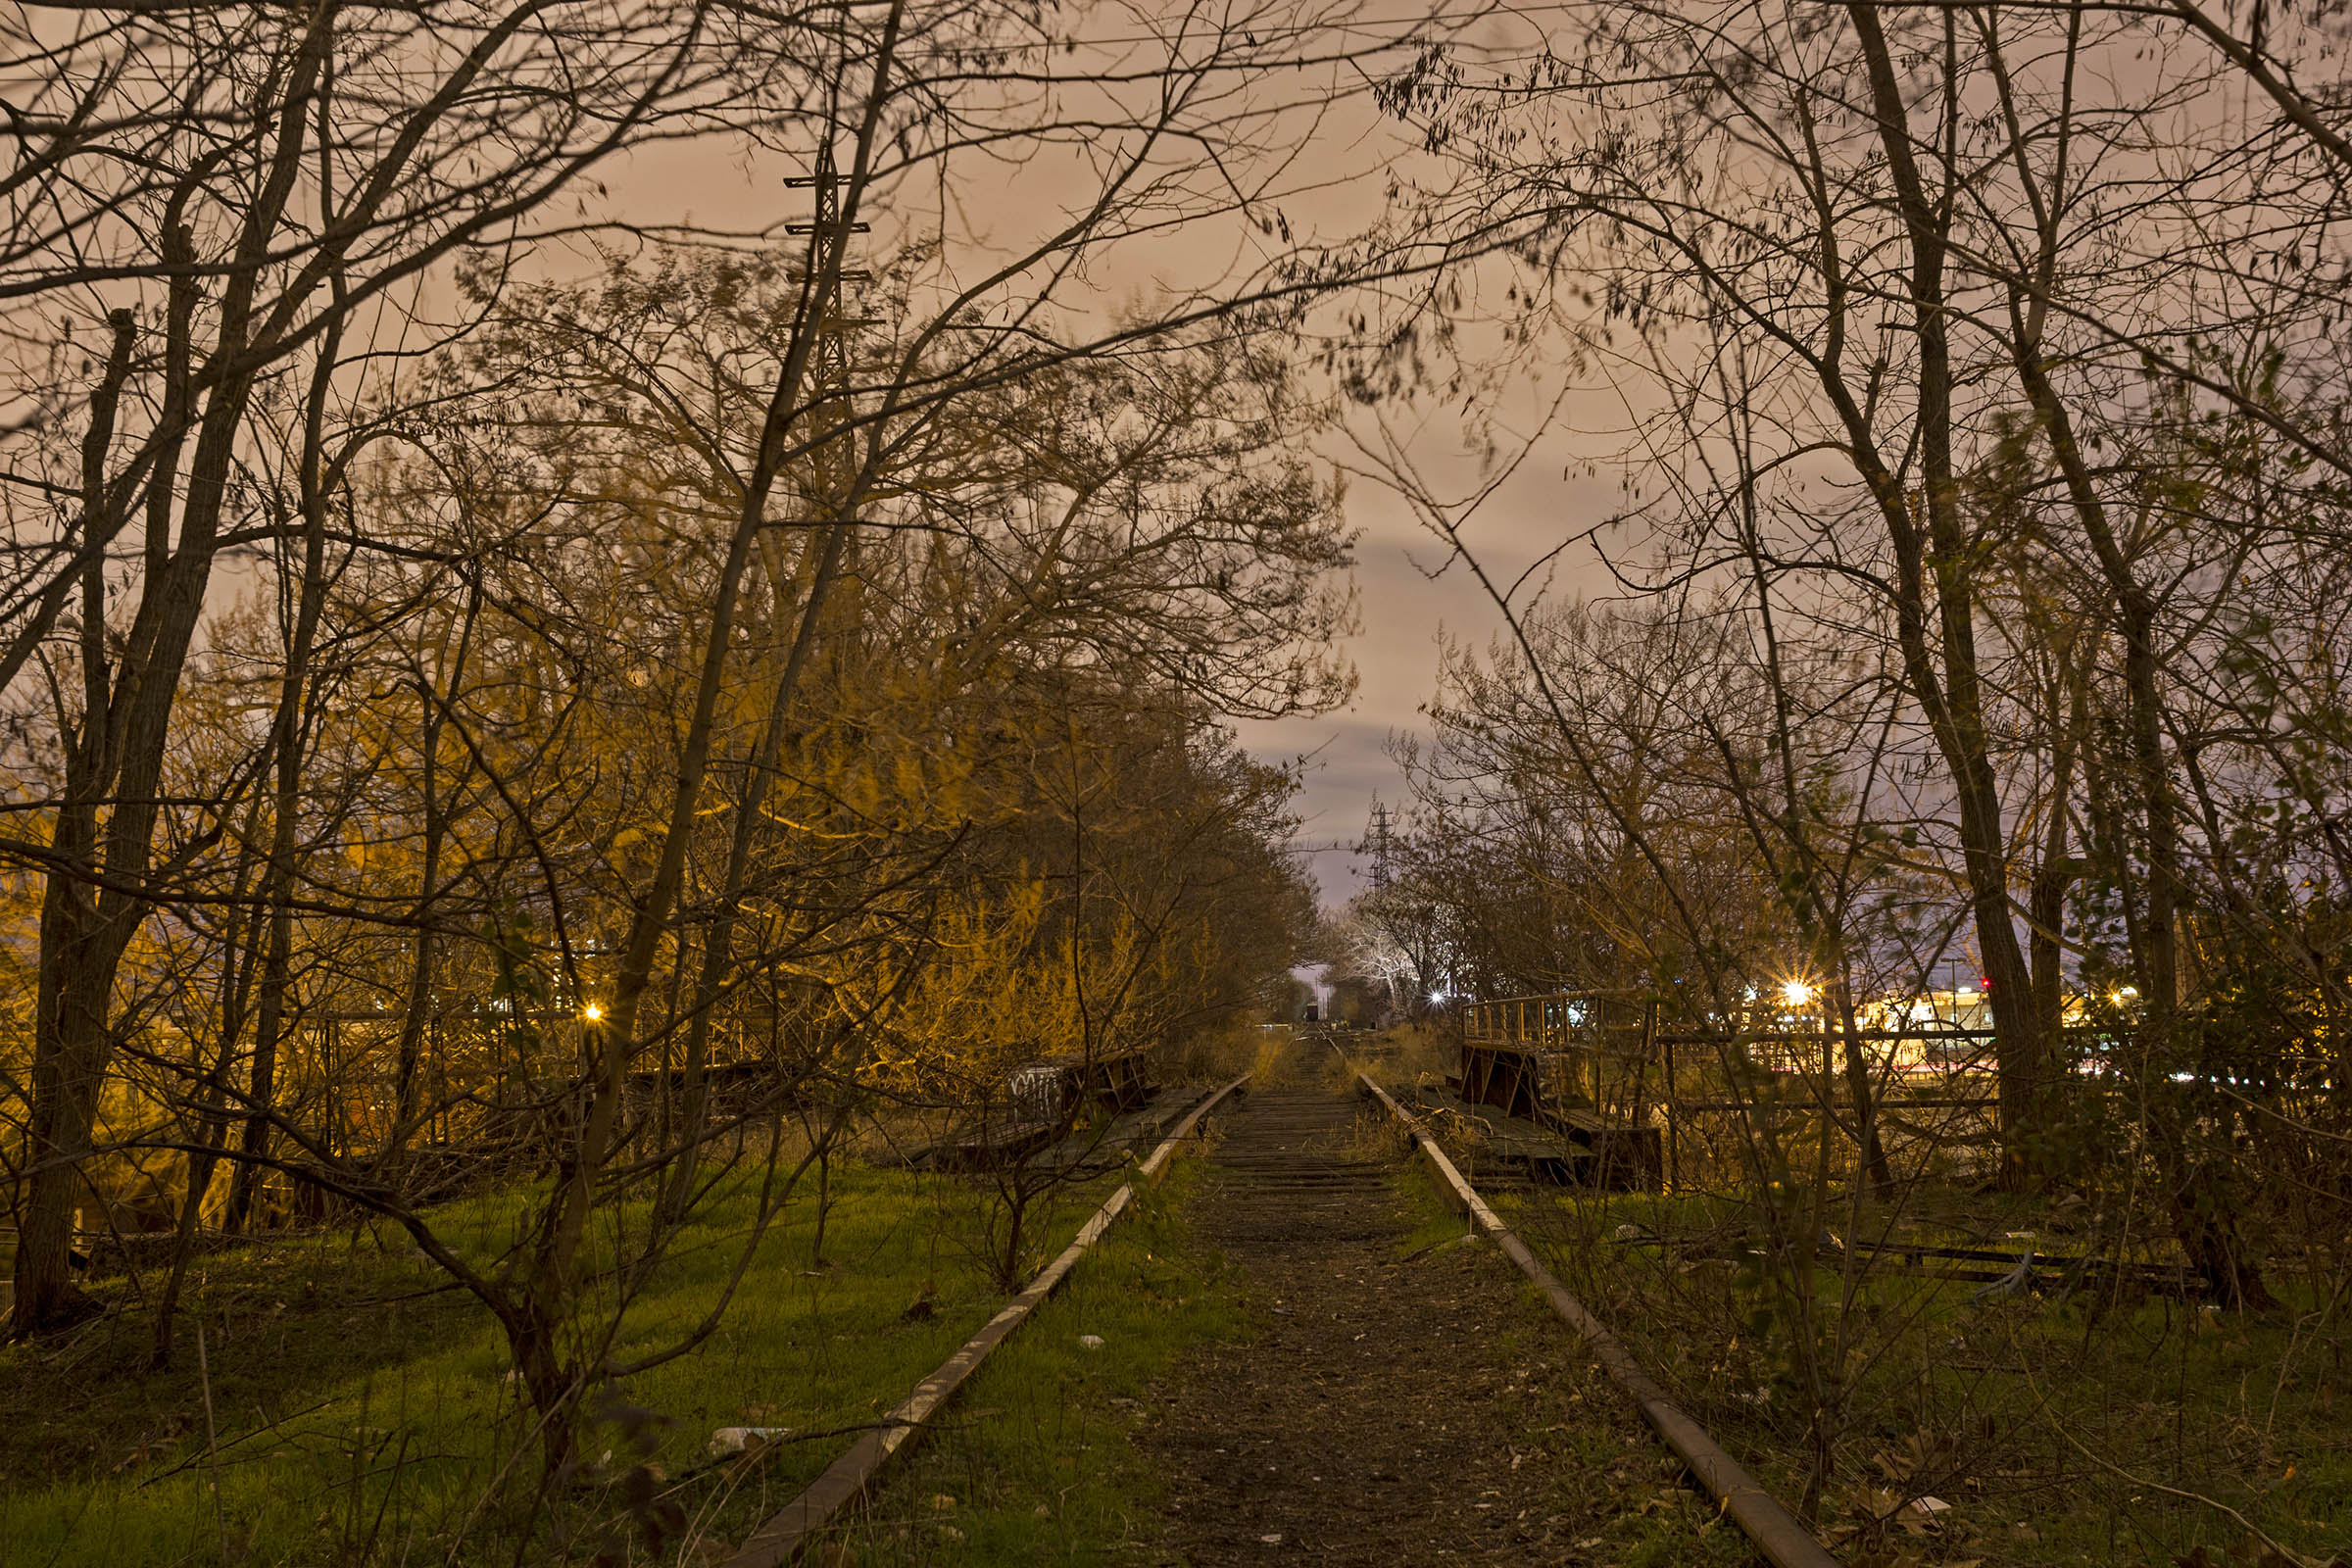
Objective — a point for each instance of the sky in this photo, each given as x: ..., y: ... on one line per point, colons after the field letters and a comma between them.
x: 1407, y: 608
x: 1556, y: 481
x: 1343, y: 757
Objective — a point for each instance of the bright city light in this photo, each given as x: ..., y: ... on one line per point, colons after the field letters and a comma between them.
x: 1796, y: 993
x: 593, y: 1011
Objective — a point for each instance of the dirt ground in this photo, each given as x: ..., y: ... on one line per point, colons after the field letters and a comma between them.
x: 1399, y: 1404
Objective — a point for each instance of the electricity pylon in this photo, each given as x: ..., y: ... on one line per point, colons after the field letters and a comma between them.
x: 1377, y: 843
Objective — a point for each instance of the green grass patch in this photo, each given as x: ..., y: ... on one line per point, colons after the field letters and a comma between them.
x: 361, y: 1412
x: 2060, y: 1431
x: 1035, y: 1461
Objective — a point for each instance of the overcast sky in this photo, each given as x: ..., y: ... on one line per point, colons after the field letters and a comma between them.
x: 1405, y: 612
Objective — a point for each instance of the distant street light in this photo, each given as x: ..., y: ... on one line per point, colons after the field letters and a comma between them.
x: 593, y: 1011
x: 1796, y: 993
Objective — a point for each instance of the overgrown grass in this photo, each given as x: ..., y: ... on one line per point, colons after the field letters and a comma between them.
x: 1654, y: 1518
x: 1036, y: 1462
x: 359, y: 1410
x: 2118, y: 1428
x: 2083, y: 1428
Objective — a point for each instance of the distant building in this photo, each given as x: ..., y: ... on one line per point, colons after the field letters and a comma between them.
x: 1930, y: 1012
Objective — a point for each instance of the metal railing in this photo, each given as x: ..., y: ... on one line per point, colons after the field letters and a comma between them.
x: 1609, y: 1056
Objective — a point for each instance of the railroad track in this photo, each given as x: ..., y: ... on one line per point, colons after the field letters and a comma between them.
x: 1390, y: 1409
x: 1775, y: 1533
x: 1289, y: 1159
x: 1394, y: 1404
x: 785, y: 1537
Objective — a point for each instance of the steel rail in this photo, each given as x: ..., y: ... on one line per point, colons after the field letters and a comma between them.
x: 1776, y: 1532
x: 782, y: 1538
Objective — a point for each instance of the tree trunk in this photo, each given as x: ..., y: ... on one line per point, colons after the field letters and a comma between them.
x: 2197, y: 1187
x: 2046, y: 935
x: 201, y: 1167
x: 79, y: 945
x: 261, y: 1096
x: 1953, y: 697
x: 1864, y: 1094
x: 118, y: 759
x: 71, y: 1048
x: 720, y: 941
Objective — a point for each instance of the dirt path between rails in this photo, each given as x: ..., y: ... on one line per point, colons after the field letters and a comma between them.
x: 1392, y: 1409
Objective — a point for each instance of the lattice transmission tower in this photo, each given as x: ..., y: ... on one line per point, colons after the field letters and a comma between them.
x: 829, y: 362
x: 1378, y: 843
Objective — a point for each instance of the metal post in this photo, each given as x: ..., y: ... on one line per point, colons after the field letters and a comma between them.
x: 1674, y: 1120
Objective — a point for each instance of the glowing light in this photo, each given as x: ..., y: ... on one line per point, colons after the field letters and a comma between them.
x: 593, y: 1011
x: 1796, y: 993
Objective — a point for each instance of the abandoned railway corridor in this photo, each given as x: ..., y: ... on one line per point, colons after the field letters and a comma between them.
x: 1404, y: 1397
